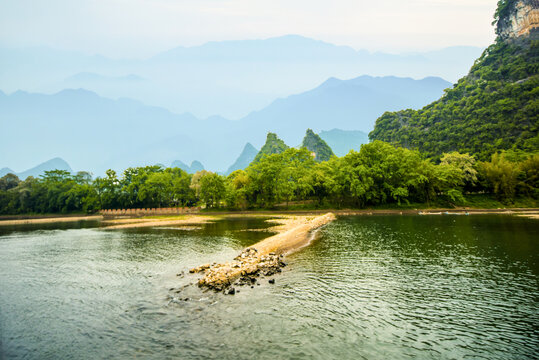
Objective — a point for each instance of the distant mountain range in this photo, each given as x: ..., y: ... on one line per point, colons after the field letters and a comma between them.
x: 247, y: 155
x: 230, y: 78
x: 341, y: 141
x: 97, y: 78
x: 52, y: 164
x: 353, y: 104
x: 193, y: 168
x: 95, y: 133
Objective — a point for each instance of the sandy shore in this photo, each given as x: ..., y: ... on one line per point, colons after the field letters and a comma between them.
x: 50, y: 220
x: 286, y: 216
x: 151, y: 222
x: 266, y: 255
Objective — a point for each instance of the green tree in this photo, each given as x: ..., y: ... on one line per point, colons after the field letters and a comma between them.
x: 501, y: 176
x: 212, y: 189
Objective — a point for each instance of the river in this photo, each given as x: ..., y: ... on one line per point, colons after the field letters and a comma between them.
x: 371, y: 287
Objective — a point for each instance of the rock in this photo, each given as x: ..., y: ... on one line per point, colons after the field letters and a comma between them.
x: 231, y: 291
x: 247, y: 266
x: 271, y: 281
x: 199, y: 268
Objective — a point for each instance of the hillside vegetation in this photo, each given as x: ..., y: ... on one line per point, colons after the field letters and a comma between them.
x: 316, y: 145
x: 273, y: 145
x: 495, y: 107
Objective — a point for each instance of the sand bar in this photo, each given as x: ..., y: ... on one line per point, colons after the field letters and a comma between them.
x: 151, y: 222
x: 50, y: 220
x: 264, y: 256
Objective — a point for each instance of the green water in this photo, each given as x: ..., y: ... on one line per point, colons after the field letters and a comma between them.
x: 427, y: 287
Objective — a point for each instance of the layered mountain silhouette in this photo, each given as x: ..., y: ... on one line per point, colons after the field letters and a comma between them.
x: 52, y: 164
x: 5, y: 171
x: 96, y: 133
x: 230, y: 78
x: 191, y: 169
x: 344, y: 104
x: 247, y: 155
x: 342, y: 141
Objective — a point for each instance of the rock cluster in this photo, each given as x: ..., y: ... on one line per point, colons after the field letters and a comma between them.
x: 245, y: 268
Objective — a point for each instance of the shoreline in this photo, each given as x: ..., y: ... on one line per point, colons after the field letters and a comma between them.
x: 121, y: 222
x: 50, y: 220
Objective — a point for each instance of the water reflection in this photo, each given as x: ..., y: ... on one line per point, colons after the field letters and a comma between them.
x: 368, y: 287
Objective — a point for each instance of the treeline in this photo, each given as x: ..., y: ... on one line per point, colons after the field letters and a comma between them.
x: 378, y: 174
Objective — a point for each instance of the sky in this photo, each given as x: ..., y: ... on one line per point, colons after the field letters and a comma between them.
x: 142, y: 28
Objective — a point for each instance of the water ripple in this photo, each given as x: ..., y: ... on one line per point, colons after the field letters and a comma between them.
x: 367, y: 287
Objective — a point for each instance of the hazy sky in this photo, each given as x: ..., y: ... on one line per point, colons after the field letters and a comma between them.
x: 127, y: 28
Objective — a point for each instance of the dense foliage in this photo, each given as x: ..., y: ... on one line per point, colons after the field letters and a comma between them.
x: 314, y: 143
x: 379, y: 174
x: 495, y: 107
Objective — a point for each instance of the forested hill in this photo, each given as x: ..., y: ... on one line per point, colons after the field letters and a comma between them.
x: 319, y: 147
x: 495, y: 107
x: 273, y: 145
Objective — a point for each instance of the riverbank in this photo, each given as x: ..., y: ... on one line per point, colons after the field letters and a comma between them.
x: 125, y: 222
x: 264, y: 257
x: 50, y: 220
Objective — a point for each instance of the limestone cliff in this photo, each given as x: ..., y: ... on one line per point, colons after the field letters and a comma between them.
x: 516, y: 18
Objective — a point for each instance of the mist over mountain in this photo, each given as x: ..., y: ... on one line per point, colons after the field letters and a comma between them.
x: 247, y: 155
x: 52, y: 164
x: 5, y: 171
x: 93, y: 77
x: 95, y: 133
x: 342, y: 141
x: 345, y: 104
x: 191, y: 169
x: 90, y: 131
x: 229, y: 78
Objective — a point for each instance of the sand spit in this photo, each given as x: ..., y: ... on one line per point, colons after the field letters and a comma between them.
x: 50, y: 220
x: 151, y: 222
x: 531, y: 215
x: 264, y: 257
